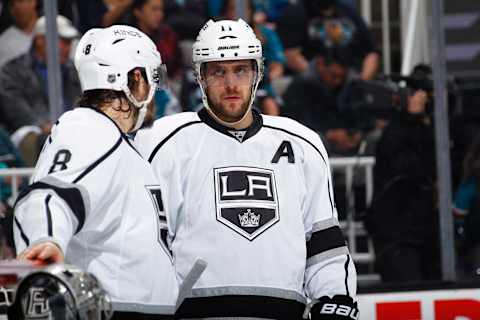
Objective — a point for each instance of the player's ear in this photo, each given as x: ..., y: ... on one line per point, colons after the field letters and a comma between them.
x: 135, y: 76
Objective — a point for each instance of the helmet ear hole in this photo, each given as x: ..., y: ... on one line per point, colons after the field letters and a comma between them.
x: 131, y: 82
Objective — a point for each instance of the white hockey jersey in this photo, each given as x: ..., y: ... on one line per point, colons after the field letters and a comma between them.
x: 258, y: 206
x: 97, y: 198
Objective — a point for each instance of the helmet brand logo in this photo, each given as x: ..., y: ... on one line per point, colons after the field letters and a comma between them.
x: 111, y: 78
x: 121, y: 32
x: 228, y: 47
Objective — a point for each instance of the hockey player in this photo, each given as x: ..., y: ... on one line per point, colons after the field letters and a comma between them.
x: 94, y: 201
x: 250, y: 194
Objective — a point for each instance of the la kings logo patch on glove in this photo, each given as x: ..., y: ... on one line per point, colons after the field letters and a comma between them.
x: 246, y: 199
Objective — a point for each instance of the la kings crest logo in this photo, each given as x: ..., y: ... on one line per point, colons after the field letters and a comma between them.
x: 38, y: 307
x: 246, y: 199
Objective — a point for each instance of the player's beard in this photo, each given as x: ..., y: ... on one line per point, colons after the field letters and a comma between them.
x: 224, y: 114
x: 222, y: 110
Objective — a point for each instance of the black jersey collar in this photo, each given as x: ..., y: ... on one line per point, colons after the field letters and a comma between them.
x: 250, y: 131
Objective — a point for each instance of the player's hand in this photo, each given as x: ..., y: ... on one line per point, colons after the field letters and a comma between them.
x: 43, y: 254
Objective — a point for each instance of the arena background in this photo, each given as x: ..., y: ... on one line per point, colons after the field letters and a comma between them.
x: 442, y: 34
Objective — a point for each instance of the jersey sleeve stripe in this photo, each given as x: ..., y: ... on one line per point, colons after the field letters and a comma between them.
x: 22, y: 234
x: 330, y: 197
x: 324, y: 224
x: 161, y: 143
x: 326, y: 255
x: 72, y: 196
x: 49, y: 215
x: 98, y: 161
x: 346, y: 274
x: 325, y: 240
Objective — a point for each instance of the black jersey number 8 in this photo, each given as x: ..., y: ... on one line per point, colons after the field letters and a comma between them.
x: 62, y: 157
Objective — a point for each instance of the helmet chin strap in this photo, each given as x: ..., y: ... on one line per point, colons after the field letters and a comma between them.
x: 140, y: 105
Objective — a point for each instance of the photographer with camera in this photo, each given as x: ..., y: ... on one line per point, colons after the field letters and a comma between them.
x: 403, y: 216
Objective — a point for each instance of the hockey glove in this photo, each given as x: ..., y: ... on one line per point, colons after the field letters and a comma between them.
x: 340, y: 307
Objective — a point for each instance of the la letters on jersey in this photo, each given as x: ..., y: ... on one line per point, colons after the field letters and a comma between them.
x: 246, y: 199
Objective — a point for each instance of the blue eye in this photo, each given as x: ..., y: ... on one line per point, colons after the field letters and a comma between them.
x: 219, y: 73
x: 242, y: 71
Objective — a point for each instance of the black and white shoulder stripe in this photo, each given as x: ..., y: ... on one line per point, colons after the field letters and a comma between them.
x: 74, y: 195
x: 162, y: 142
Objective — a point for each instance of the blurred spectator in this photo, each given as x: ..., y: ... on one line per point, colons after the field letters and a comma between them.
x: 9, y: 158
x: 149, y: 17
x: 466, y: 209
x: 87, y: 14
x: 323, y: 28
x: 24, y: 92
x: 353, y: 4
x: 16, y: 40
x: 264, y: 10
x: 272, y: 52
x: 315, y: 100
x: 186, y: 17
x: 269, y: 10
x: 403, y: 220
x: 190, y: 93
x: 117, y: 11
x: 166, y: 103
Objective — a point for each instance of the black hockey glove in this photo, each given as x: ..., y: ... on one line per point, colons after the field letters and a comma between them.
x: 340, y: 307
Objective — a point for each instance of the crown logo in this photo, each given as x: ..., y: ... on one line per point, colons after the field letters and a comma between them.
x: 249, y: 219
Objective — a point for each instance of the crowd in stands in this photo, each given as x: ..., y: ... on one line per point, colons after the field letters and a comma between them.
x: 320, y: 59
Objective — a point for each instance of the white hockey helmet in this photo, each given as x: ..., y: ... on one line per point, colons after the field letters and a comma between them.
x: 104, y: 57
x: 227, y: 40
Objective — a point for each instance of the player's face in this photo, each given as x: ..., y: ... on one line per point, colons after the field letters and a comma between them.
x: 228, y: 87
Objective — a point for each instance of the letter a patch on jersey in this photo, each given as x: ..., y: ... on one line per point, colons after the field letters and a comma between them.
x: 246, y: 199
x: 284, y: 150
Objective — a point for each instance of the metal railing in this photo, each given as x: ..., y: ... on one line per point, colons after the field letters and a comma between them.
x: 350, y: 168
x: 15, y: 174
